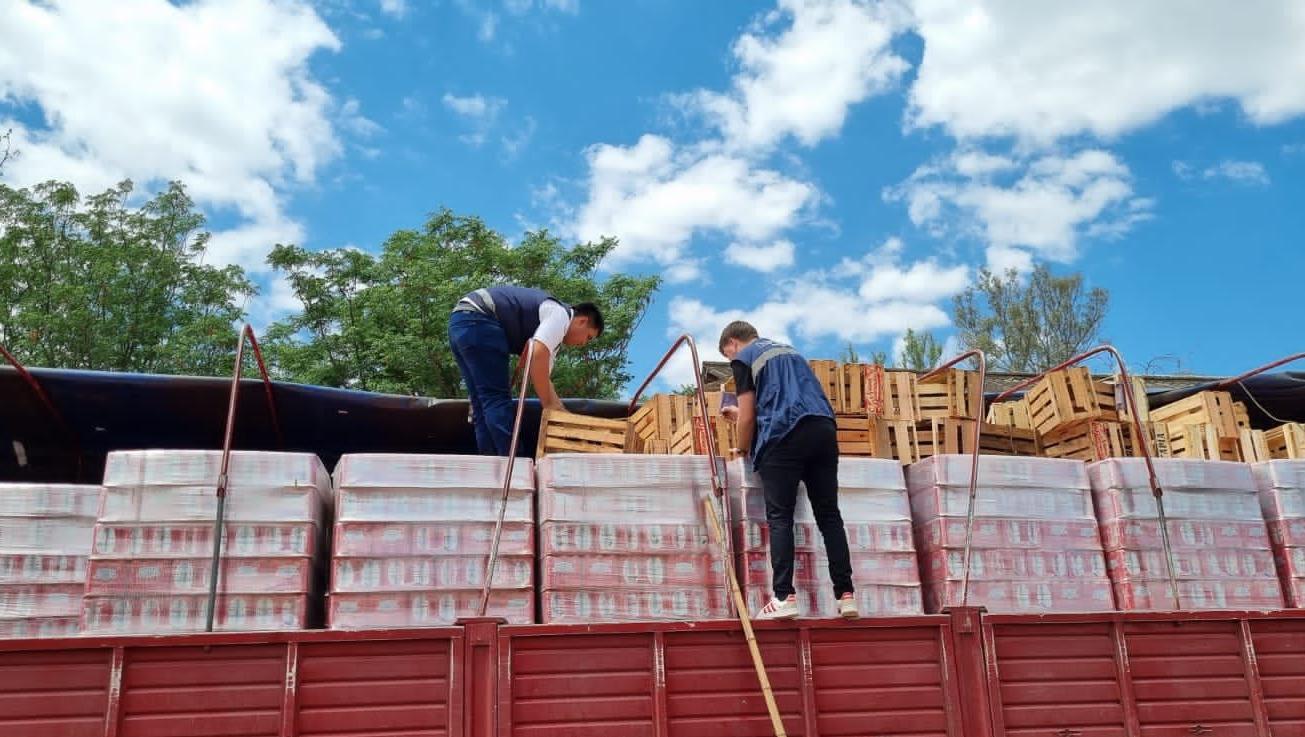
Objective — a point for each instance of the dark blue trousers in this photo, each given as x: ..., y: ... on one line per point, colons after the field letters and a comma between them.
x: 480, y: 347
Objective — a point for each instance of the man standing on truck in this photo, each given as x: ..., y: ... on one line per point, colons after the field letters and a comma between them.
x: 786, y: 427
x: 490, y: 325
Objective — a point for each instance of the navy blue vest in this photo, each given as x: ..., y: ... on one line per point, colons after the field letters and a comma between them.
x: 787, y: 391
x: 517, y: 310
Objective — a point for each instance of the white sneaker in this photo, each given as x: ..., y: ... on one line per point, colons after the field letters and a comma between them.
x: 847, y: 607
x: 776, y: 609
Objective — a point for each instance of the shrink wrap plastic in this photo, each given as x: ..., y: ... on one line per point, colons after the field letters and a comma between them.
x: 152, y: 549
x: 1035, y: 546
x: 412, y: 539
x: 876, y: 512
x: 1281, y: 492
x: 45, y: 541
x: 1221, y: 551
x: 625, y: 538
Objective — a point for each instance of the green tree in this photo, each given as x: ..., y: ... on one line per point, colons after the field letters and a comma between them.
x: 95, y: 283
x: 850, y: 355
x: 1029, y: 324
x: 920, y: 351
x: 380, y: 322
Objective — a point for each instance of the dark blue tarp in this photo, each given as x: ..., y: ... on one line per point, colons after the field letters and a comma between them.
x: 116, y: 411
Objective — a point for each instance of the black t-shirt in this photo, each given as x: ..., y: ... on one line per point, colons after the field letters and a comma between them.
x: 742, y: 377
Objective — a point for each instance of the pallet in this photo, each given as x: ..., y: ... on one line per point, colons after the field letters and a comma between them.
x: 1211, y: 408
x: 1014, y: 413
x: 1088, y: 440
x: 828, y: 376
x: 890, y: 395
x: 1286, y: 441
x: 564, y: 432
x: 1139, y: 396
x: 1065, y: 398
x: 952, y: 394
x: 1202, y: 442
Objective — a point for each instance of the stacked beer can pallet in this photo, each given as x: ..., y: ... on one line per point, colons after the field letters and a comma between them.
x: 1035, y: 545
x: 413, y: 535
x: 1221, y: 553
x: 1281, y: 485
x: 45, y: 539
x: 877, y: 518
x: 150, y: 565
x: 626, y: 538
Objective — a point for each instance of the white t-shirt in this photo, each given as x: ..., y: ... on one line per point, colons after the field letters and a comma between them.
x: 554, y: 320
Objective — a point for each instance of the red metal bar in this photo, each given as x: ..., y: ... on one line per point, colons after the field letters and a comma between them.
x: 45, y: 400
x: 528, y: 356
x: 974, y: 456
x: 480, y: 705
x: 975, y: 677
x: 1253, y: 372
x: 1142, y: 441
x: 246, y: 333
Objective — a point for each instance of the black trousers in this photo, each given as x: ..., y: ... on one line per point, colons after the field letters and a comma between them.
x: 807, y: 454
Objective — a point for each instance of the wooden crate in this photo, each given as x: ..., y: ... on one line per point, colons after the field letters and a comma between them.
x: 1202, y: 441
x: 894, y: 439
x: 890, y: 394
x: 1286, y: 441
x: 660, y: 417
x: 1088, y: 440
x: 1139, y: 395
x: 1014, y: 413
x: 1241, y: 418
x: 1065, y: 398
x: 939, y: 436
x: 851, y: 388
x: 564, y: 432
x: 1203, y: 408
x: 1157, y: 435
x: 952, y: 394
x: 1004, y: 440
x: 1253, y: 446
x: 681, y: 443
x: 854, y: 435
x: 827, y: 374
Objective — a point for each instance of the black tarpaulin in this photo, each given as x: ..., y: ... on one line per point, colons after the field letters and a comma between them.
x: 1270, y: 399
x: 117, y: 411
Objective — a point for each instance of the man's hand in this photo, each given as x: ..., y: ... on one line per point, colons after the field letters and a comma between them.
x: 730, y: 413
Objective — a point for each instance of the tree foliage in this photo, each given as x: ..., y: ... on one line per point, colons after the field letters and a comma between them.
x: 380, y: 322
x: 96, y: 283
x: 1029, y: 325
x: 920, y: 351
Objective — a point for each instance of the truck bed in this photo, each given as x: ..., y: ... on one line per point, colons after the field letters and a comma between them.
x: 961, y: 674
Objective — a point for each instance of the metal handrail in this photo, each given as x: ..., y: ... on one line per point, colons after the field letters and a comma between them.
x: 1253, y: 372
x: 490, y: 564
x: 974, y: 455
x: 45, y: 400
x: 1143, y: 442
x: 219, y: 518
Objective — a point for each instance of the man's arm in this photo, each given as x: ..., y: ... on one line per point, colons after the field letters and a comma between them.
x: 747, y: 423
x: 541, y: 365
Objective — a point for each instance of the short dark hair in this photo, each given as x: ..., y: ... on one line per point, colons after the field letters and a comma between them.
x: 591, y: 311
x: 737, y: 330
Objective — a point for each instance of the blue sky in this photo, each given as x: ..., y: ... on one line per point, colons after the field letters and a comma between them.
x: 836, y: 169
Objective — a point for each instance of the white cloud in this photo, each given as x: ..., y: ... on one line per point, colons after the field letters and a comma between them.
x: 1250, y: 173
x: 564, y: 6
x: 922, y: 281
x: 215, y: 93
x: 394, y: 8
x: 515, y: 143
x: 831, y: 55
x: 654, y: 198
x: 474, y: 107
x: 521, y: 7
x: 1043, y: 71
x: 488, y: 27
x: 1040, y: 206
x: 764, y: 258
x: 1292, y: 149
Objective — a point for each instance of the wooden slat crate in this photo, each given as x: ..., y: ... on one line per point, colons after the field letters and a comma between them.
x: 1139, y: 395
x: 1089, y: 440
x: 952, y: 394
x: 893, y: 439
x: 681, y: 443
x: 1202, y: 441
x: 1203, y: 408
x: 564, y: 432
x: 1286, y: 441
x: 1014, y: 413
x: 1068, y: 397
x: 1253, y: 446
x: 1157, y: 434
x: 827, y: 374
x: 851, y: 388
x: 1240, y: 417
x: 660, y: 417
x: 939, y: 436
x: 890, y: 394
x: 1004, y: 440
x: 854, y: 435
